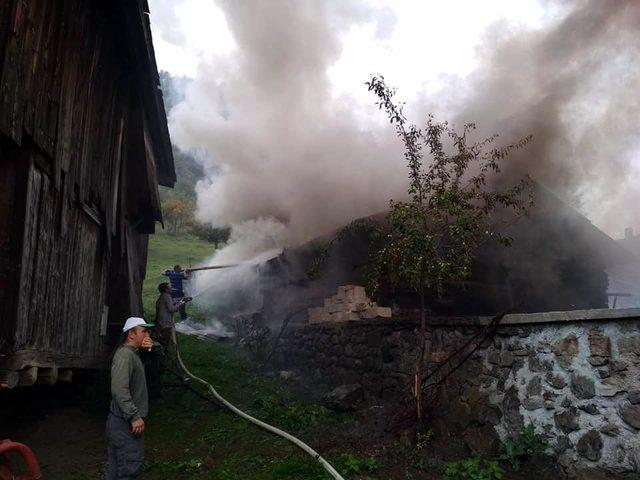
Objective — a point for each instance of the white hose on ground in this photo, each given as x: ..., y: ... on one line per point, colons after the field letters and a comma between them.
x: 299, y: 443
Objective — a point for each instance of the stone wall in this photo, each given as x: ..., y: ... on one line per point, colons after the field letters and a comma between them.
x: 576, y: 381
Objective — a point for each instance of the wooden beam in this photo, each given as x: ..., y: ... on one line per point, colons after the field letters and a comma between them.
x: 34, y: 358
x: 8, y: 379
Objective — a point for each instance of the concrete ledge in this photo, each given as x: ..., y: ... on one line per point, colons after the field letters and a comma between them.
x: 599, y: 314
x: 408, y: 321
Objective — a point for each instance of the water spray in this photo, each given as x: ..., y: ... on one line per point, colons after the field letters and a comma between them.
x: 253, y: 262
x: 212, y: 267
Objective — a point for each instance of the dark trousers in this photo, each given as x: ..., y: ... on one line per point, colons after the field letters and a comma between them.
x: 182, y: 308
x: 125, y: 450
x: 165, y: 337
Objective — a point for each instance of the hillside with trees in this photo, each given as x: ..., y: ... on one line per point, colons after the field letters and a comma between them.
x: 179, y: 203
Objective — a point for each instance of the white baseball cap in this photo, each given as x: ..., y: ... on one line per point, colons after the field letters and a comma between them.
x: 135, y: 322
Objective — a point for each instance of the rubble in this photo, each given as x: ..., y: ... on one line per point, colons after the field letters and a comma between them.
x: 345, y: 398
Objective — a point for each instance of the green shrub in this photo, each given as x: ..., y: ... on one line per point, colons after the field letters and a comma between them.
x: 514, y: 451
x: 349, y: 464
x: 474, y: 468
x: 290, y: 415
x: 295, y: 467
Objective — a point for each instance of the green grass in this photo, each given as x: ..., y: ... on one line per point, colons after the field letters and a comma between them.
x: 190, y: 438
x: 165, y: 251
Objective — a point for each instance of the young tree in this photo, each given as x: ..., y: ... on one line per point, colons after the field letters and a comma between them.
x: 211, y: 234
x: 430, y: 240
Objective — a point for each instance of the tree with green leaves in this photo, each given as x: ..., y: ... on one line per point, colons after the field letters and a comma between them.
x: 430, y: 240
x: 211, y: 234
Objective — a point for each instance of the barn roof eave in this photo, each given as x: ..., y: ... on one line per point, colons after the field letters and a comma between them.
x: 152, y: 95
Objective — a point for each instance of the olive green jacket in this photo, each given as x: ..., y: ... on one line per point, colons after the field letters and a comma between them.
x: 129, y: 398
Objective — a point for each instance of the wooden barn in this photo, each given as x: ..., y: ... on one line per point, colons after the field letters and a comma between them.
x: 84, y: 145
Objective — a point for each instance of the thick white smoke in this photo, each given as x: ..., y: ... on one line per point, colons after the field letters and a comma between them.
x: 236, y: 289
x: 286, y: 149
x: 280, y: 145
x: 573, y: 86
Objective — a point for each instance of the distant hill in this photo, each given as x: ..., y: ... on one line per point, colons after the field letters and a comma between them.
x: 188, y: 169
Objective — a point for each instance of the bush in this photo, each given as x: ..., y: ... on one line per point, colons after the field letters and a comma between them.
x: 215, y: 235
x: 350, y: 464
x: 474, y: 468
x: 515, y: 451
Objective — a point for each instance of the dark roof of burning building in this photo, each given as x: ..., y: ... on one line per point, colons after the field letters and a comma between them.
x: 558, y: 261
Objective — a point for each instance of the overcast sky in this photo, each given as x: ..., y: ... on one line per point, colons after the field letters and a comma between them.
x: 278, y: 97
x: 418, y: 44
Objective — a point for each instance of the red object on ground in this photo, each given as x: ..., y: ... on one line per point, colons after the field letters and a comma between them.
x: 28, y: 457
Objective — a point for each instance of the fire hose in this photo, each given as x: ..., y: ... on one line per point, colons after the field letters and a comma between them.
x: 7, y: 446
x: 299, y: 443
x: 212, y: 267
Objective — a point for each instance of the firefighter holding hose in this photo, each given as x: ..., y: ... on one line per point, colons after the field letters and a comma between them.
x: 166, y: 306
x: 176, y: 278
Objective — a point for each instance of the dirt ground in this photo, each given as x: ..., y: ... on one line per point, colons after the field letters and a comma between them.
x: 66, y: 441
x: 69, y: 443
x: 63, y: 427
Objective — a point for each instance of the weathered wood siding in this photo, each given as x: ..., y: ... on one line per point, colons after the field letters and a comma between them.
x: 13, y: 182
x: 62, y: 280
x: 83, y: 145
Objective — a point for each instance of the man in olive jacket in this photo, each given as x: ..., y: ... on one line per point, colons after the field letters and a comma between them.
x: 129, y: 403
x: 166, y: 306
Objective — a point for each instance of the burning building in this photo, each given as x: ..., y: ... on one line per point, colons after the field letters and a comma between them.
x: 563, y: 361
x: 558, y: 261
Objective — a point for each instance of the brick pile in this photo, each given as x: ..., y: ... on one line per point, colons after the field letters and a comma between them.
x: 350, y: 303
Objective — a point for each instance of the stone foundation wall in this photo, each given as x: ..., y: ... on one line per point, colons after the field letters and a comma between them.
x: 577, y: 382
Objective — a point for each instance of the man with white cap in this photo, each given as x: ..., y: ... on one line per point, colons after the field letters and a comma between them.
x: 129, y: 403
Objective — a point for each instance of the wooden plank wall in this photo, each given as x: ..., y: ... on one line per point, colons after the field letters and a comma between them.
x: 13, y: 181
x: 62, y: 279
x: 72, y: 109
x: 61, y: 86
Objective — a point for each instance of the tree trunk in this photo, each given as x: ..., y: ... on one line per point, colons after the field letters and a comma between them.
x: 417, y: 388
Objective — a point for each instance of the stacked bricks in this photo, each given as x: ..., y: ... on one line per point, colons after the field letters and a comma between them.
x: 350, y: 303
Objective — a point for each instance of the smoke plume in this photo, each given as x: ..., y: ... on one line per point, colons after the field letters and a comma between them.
x: 574, y: 87
x: 236, y: 289
x: 285, y: 147
x: 280, y: 145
